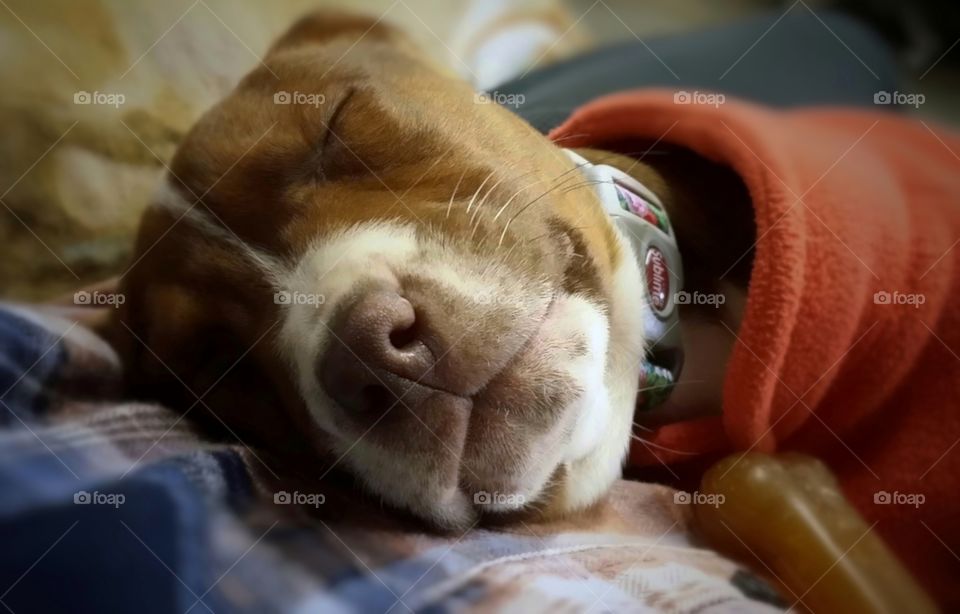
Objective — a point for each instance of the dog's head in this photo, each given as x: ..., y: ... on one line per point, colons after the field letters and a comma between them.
x: 425, y: 283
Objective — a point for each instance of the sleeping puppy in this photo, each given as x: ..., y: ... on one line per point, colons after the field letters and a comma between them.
x: 353, y: 259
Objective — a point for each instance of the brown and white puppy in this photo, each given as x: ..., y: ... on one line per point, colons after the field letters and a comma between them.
x: 352, y: 257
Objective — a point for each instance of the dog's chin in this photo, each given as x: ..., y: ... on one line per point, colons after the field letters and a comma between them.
x: 558, y: 480
x: 570, y: 487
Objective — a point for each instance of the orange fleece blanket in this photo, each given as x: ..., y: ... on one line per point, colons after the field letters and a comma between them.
x: 850, y: 343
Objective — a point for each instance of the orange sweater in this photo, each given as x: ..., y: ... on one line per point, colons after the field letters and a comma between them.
x: 850, y: 343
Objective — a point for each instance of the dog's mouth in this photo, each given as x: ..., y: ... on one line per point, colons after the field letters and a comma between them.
x: 451, y: 389
x: 467, y: 404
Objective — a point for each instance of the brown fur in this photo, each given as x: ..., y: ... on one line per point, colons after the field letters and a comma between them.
x: 280, y: 176
x: 394, y: 139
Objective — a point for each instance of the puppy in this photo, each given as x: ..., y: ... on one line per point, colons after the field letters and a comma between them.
x: 351, y: 258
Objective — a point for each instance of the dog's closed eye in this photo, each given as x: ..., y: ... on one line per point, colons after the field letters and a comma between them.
x: 453, y: 320
x: 336, y: 159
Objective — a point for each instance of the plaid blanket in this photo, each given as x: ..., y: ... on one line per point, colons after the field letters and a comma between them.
x: 113, y: 505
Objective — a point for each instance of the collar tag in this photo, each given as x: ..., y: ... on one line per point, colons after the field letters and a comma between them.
x: 642, y: 220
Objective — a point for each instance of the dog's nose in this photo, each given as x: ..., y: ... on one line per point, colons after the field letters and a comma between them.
x: 377, y: 355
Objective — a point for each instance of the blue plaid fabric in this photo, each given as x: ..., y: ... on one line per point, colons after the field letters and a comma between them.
x: 110, y: 505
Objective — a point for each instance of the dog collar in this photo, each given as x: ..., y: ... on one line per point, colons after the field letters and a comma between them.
x: 640, y: 217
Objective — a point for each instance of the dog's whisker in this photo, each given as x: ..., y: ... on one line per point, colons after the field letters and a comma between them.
x: 485, y: 197
x: 569, y: 136
x: 647, y: 442
x: 507, y: 204
x: 576, y: 167
x: 513, y: 196
x: 475, y: 219
x: 642, y: 427
x: 506, y: 256
x: 529, y: 204
x: 582, y: 185
x: 454, y: 195
x: 480, y: 187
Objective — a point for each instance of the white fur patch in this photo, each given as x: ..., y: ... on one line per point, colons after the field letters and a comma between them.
x: 589, y: 476
x: 592, y: 410
x: 331, y: 269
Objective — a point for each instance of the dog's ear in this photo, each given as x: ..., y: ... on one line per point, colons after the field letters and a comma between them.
x: 183, y: 347
x: 161, y: 330
x: 196, y: 322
